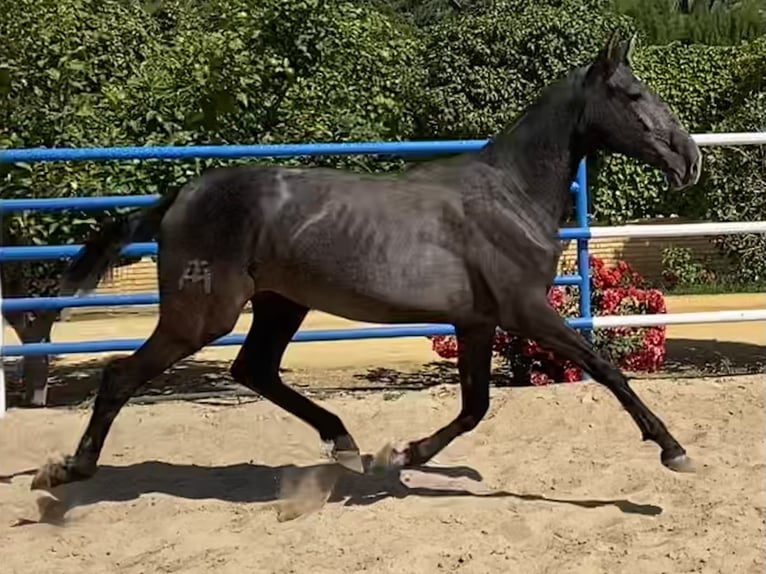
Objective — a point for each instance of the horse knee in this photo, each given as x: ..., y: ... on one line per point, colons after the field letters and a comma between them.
x: 471, y: 418
x: 238, y: 370
x: 113, y: 375
x: 252, y: 371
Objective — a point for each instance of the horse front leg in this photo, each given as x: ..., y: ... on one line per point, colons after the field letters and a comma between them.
x: 474, y: 366
x: 535, y: 319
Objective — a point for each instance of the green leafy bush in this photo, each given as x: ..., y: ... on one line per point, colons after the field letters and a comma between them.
x: 681, y: 268
x: 736, y: 191
x: 56, y: 61
x: 486, y: 66
x: 710, y: 22
x: 101, y: 73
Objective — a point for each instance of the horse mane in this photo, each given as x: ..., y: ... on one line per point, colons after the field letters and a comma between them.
x: 568, y: 88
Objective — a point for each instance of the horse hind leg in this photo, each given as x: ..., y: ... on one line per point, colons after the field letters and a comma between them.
x: 187, y: 323
x: 474, y: 367
x: 275, y: 321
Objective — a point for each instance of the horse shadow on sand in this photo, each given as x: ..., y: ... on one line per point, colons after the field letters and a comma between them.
x: 291, y: 490
x: 71, y: 384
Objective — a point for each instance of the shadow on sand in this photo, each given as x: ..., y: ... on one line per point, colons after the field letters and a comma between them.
x: 253, y: 483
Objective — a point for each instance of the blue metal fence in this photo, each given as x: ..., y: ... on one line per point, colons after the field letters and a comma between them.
x: 400, y: 149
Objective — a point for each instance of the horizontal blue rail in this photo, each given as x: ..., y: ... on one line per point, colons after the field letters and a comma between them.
x: 17, y: 304
x: 391, y: 149
x: 313, y: 335
x: 80, y: 203
x: 43, y: 252
x: 96, y: 203
x: 47, y: 252
x: 394, y: 148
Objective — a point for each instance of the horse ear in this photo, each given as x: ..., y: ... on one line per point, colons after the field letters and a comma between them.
x: 628, y: 49
x: 608, y: 58
x: 612, y: 44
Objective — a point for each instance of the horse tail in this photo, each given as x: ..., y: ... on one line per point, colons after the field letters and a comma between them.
x: 101, y: 250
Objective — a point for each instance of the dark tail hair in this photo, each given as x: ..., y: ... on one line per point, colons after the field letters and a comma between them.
x: 102, y: 249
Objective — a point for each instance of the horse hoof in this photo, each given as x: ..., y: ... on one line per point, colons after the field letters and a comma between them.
x: 349, y: 459
x: 56, y: 473
x: 51, y: 474
x: 680, y: 463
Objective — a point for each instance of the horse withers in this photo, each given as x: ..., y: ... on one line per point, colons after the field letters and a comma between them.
x: 469, y: 240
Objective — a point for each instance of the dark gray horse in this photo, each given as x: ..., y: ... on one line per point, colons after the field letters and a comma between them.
x: 469, y: 240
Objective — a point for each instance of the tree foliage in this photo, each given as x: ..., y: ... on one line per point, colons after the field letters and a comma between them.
x: 709, y: 22
x: 485, y: 67
x: 56, y: 61
x: 740, y: 198
x: 179, y: 72
x: 106, y: 72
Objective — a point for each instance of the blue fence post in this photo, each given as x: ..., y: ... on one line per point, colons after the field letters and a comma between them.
x: 2, y: 328
x: 583, y: 255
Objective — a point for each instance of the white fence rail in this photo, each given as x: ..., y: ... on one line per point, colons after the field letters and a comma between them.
x: 679, y: 230
x: 606, y: 321
x: 743, y: 138
x: 689, y: 230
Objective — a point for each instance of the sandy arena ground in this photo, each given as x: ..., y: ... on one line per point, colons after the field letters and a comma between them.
x: 554, y: 480
x: 566, y: 486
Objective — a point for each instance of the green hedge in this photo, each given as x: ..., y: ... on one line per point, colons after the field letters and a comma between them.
x: 106, y: 72
x: 709, y: 22
x: 485, y: 67
x: 736, y: 190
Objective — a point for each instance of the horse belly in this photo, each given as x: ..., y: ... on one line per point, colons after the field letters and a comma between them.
x: 363, y: 290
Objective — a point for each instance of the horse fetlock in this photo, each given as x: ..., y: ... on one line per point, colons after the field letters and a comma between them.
x: 471, y: 419
x: 238, y: 371
x: 390, y: 457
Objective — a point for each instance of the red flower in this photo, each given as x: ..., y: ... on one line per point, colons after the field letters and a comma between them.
x: 445, y: 346
x: 539, y: 379
x: 572, y: 374
x: 617, y: 290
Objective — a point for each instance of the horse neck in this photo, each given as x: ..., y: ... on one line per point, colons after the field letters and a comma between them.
x: 539, y: 155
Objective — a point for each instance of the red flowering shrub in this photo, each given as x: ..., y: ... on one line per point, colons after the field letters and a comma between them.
x: 616, y: 290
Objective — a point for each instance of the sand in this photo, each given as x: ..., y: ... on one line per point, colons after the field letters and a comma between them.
x: 555, y: 479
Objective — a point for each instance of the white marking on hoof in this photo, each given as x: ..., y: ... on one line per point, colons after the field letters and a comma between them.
x: 388, y: 457
x: 349, y: 459
x: 327, y: 449
x: 681, y: 463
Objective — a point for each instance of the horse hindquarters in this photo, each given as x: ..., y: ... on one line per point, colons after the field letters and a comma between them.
x: 198, y: 304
